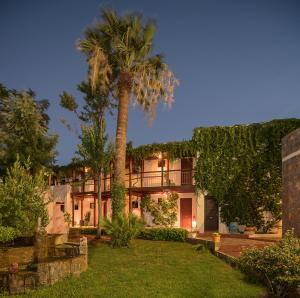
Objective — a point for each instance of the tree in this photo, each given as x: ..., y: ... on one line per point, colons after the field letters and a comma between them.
x: 24, y: 130
x: 97, y: 155
x: 94, y: 150
x: 22, y: 198
x: 118, y: 51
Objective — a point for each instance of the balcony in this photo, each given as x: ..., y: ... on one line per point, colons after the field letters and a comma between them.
x: 141, y: 180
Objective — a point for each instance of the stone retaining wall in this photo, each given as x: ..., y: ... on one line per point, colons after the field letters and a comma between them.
x: 20, y: 255
x: 47, y: 273
x: 291, y: 182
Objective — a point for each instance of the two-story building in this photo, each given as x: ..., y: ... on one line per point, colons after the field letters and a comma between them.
x: 155, y: 175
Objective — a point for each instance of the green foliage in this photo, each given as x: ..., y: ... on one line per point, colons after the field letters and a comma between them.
x: 164, y: 211
x: 123, y: 229
x: 164, y: 234
x: 171, y: 149
x: 24, y: 130
x: 117, y: 199
x: 88, y: 231
x: 94, y: 149
x: 278, y: 266
x: 67, y: 218
x: 87, y: 218
x: 7, y: 234
x: 22, y: 199
x: 241, y: 167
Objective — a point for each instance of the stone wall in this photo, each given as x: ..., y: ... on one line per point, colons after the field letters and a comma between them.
x: 291, y: 182
x: 20, y: 255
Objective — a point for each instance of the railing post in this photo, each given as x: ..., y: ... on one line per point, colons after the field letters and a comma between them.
x: 168, y: 172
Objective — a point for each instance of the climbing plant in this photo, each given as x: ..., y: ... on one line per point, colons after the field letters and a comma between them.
x: 172, y: 150
x: 240, y: 166
x: 163, y: 211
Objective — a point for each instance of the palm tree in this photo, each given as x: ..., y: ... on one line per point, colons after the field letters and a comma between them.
x: 118, y: 50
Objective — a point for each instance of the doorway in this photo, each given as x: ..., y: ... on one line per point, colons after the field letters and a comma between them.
x: 211, y: 214
x: 186, y: 213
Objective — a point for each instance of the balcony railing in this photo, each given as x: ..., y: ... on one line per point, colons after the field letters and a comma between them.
x: 141, y: 180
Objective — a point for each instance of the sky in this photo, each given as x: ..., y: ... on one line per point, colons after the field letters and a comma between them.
x: 237, y: 61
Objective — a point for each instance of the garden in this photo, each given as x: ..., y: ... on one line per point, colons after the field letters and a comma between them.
x: 153, y: 269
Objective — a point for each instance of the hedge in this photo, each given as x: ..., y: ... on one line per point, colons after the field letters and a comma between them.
x: 164, y: 234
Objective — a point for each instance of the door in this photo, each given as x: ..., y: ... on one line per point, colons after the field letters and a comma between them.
x: 104, y: 209
x: 186, y: 171
x: 186, y: 213
x: 211, y: 214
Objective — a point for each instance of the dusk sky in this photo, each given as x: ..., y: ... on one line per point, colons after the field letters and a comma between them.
x: 237, y: 61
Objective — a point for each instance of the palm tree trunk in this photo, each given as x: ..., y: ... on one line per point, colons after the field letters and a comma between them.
x: 98, y: 235
x: 121, y: 134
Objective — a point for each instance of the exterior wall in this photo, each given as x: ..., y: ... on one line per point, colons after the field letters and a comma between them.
x: 291, y: 182
x: 60, y: 194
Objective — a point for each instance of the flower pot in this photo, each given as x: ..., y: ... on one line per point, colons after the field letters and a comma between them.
x: 216, y: 238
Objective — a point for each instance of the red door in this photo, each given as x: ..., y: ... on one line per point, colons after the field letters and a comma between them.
x: 186, y: 213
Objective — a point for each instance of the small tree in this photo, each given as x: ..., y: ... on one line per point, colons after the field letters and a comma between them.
x: 22, y: 199
x: 24, y: 130
x: 97, y: 155
x: 164, y: 211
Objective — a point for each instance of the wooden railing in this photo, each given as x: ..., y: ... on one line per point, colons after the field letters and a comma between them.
x: 141, y: 180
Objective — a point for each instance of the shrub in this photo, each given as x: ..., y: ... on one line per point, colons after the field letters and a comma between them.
x: 164, y: 211
x: 123, y: 229
x: 88, y: 231
x: 165, y: 234
x: 278, y: 266
x: 7, y: 234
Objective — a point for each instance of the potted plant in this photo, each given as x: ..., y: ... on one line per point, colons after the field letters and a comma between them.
x: 216, y: 237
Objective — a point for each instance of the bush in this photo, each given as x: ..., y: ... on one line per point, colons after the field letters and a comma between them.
x: 165, y: 234
x: 163, y: 212
x: 91, y: 231
x: 7, y: 234
x: 278, y: 266
x: 123, y: 229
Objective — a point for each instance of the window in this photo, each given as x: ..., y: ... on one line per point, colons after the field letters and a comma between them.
x: 92, y: 205
x: 76, y: 207
x: 161, y: 163
x: 134, y: 204
x: 62, y: 208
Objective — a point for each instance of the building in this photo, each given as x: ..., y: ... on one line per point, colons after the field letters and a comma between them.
x: 155, y: 175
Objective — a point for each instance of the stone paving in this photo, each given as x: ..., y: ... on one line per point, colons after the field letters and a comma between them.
x: 234, y: 246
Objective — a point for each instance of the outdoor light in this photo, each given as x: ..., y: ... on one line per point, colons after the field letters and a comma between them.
x: 194, y: 222
x: 160, y: 156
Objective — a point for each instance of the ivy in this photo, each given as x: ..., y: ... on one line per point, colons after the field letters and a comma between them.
x: 171, y: 149
x: 241, y: 167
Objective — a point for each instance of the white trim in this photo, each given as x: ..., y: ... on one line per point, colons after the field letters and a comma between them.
x: 291, y: 155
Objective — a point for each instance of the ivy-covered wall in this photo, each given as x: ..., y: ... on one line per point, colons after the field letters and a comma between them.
x: 240, y: 166
x: 171, y: 149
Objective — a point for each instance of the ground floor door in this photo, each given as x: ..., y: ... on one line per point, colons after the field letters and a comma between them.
x: 186, y: 213
x: 104, y: 209
x: 211, y: 214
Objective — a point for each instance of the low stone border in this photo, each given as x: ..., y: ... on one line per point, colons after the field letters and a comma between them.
x: 47, y: 272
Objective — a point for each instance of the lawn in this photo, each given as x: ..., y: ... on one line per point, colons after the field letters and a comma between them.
x: 153, y: 269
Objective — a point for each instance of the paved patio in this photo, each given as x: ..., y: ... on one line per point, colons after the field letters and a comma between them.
x: 234, y: 245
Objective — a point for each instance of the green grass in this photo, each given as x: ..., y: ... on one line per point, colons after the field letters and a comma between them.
x: 153, y: 269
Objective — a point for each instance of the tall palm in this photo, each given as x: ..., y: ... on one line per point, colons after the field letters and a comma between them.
x: 118, y: 50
